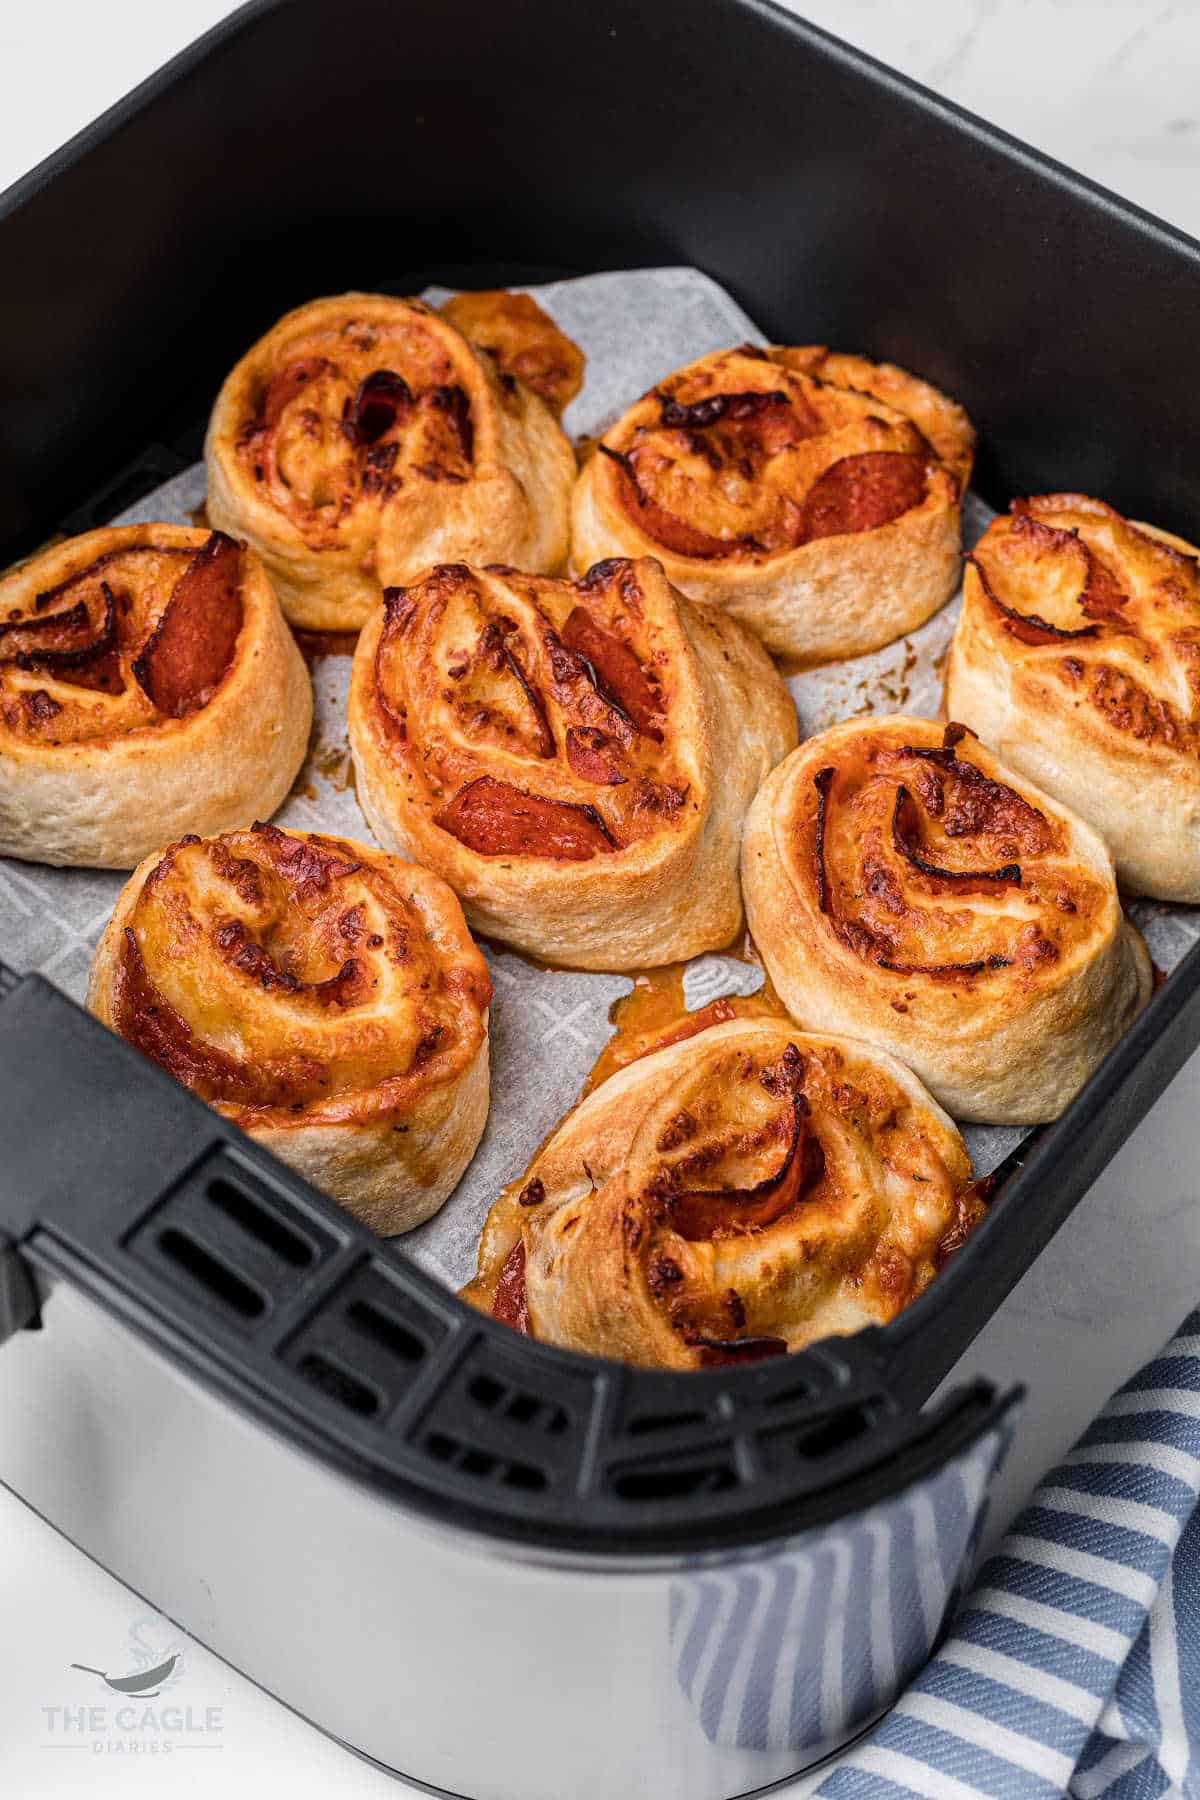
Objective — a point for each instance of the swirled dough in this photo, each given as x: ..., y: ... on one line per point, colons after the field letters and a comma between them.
x: 326, y: 997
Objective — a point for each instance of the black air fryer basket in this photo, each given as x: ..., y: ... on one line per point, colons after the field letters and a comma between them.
x: 399, y: 1517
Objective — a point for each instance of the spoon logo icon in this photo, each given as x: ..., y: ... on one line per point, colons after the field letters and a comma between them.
x: 143, y: 1682
x: 152, y: 1662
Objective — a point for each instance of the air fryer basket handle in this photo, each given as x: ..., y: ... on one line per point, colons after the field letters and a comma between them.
x: 116, y: 1180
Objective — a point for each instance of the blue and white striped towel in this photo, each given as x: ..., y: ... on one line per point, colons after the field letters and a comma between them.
x: 1074, y: 1666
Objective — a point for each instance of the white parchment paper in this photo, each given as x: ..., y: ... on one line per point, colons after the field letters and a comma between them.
x: 547, y: 1027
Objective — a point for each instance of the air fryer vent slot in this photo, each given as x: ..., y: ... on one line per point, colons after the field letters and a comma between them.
x: 518, y: 1407
x: 248, y: 1211
x: 822, y: 1439
x: 469, y: 1459
x: 674, y: 1481
x: 792, y: 1396
x: 496, y: 1421
x: 383, y: 1329
x: 367, y: 1341
x: 339, y: 1384
x: 235, y: 1237
x: 844, y: 1428
x: 210, y: 1273
x: 642, y: 1424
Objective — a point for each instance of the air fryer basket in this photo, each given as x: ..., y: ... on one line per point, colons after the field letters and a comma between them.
x: 119, y: 1182
x: 400, y: 1517
x: 302, y: 149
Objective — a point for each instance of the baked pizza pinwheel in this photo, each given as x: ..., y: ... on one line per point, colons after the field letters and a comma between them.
x: 574, y: 758
x: 730, y: 1198
x: 522, y: 339
x: 1077, y: 658
x: 148, y: 686
x: 364, y: 439
x: 814, y: 496
x: 325, y: 997
x: 906, y: 888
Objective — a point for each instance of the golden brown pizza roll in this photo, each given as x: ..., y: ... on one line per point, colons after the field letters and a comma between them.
x: 148, y: 685
x: 812, y: 495
x: 363, y: 439
x: 1077, y: 658
x: 729, y: 1198
x: 906, y: 888
x: 524, y: 341
x: 575, y: 759
x: 325, y: 997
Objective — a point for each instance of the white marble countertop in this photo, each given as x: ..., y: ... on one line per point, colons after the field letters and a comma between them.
x: 1108, y: 86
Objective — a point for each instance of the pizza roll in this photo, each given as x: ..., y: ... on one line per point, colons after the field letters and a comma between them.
x: 523, y: 340
x: 1077, y: 658
x: 730, y: 1198
x: 363, y: 439
x: 904, y: 887
x: 575, y: 759
x: 325, y: 997
x: 148, y: 685
x: 813, y: 496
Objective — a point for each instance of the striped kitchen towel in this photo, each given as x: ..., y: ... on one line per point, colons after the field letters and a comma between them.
x: 1073, y: 1668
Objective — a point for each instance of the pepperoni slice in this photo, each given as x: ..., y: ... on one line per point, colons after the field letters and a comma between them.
x: 1027, y: 628
x: 823, y: 780
x: 856, y: 493
x: 594, y: 756
x: 494, y: 818
x: 57, y: 645
x: 618, y: 668
x: 860, y: 493
x: 79, y: 642
x: 663, y: 526
x: 1103, y: 597
x: 144, y: 1017
x: 190, y: 649
x: 767, y: 422
x: 906, y: 834
x: 510, y: 1303
x: 454, y: 405
x: 1100, y: 598
x: 59, y: 639
x: 701, y: 1214
x: 54, y: 633
x: 380, y: 398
